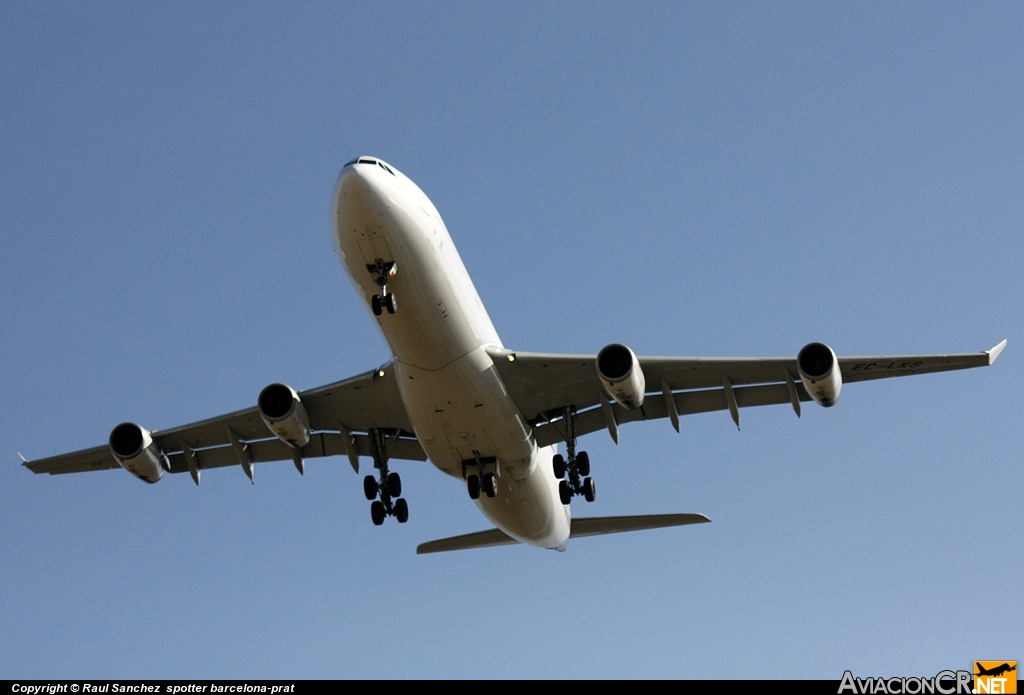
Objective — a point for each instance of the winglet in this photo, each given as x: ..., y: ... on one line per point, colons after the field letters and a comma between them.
x: 994, y: 352
x: 24, y: 461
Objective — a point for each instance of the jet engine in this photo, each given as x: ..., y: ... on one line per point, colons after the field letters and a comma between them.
x: 132, y: 447
x: 284, y: 414
x: 819, y: 370
x: 621, y: 376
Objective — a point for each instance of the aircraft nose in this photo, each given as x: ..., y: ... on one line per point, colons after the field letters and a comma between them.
x: 354, y: 177
x: 360, y: 195
x: 360, y: 184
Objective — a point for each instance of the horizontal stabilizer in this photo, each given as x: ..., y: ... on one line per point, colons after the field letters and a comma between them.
x: 602, y: 525
x: 480, y: 539
x: 586, y: 526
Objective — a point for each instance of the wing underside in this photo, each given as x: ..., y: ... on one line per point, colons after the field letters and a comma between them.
x: 347, y: 417
x: 343, y: 417
x: 543, y: 386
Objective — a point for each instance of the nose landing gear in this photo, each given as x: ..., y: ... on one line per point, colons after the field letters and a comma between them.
x: 388, y: 487
x: 383, y: 272
x: 578, y: 465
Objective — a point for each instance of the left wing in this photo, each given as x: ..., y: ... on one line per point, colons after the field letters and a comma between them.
x: 544, y: 385
x: 342, y: 417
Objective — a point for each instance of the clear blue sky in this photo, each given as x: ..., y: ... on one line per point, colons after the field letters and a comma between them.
x: 689, y: 179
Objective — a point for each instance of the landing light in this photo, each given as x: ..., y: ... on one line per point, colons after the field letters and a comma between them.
x: 511, y: 358
x: 380, y: 372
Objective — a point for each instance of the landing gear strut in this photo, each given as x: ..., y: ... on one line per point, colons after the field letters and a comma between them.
x: 382, y: 273
x: 389, y: 485
x: 578, y: 465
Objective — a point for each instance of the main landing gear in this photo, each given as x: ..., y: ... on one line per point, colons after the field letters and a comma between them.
x: 388, y: 487
x: 383, y: 272
x: 578, y: 466
x: 485, y: 480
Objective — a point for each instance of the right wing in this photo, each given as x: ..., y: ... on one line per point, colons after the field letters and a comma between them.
x: 341, y: 416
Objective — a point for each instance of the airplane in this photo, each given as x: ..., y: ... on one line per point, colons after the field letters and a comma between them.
x: 453, y: 394
x: 995, y: 671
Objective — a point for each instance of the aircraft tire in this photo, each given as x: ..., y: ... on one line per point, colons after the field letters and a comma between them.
x: 391, y: 304
x: 376, y: 305
x: 490, y: 484
x: 564, y: 492
x: 589, y: 490
x: 377, y: 513
x: 401, y: 510
x: 558, y: 466
x: 473, y: 485
x: 583, y: 463
x: 394, y: 485
x: 370, y: 487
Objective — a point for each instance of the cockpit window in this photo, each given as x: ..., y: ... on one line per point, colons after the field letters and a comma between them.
x: 367, y: 160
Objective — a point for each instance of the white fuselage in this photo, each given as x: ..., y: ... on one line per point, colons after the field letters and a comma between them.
x: 439, y: 337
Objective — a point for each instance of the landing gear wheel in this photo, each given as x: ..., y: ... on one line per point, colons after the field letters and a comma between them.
x: 558, y: 466
x: 394, y: 485
x: 377, y: 513
x: 376, y: 306
x: 401, y: 510
x: 389, y: 303
x: 370, y: 487
x: 490, y: 484
x: 473, y: 485
x: 583, y: 463
x: 564, y: 492
x: 589, y: 491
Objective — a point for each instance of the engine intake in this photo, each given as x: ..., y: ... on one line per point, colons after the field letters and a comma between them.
x: 133, y: 448
x: 621, y: 376
x: 283, y: 413
x: 819, y: 370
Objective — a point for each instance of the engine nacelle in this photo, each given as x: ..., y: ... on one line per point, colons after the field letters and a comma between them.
x: 132, y: 447
x: 621, y: 376
x: 284, y: 414
x: 819, y: 370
